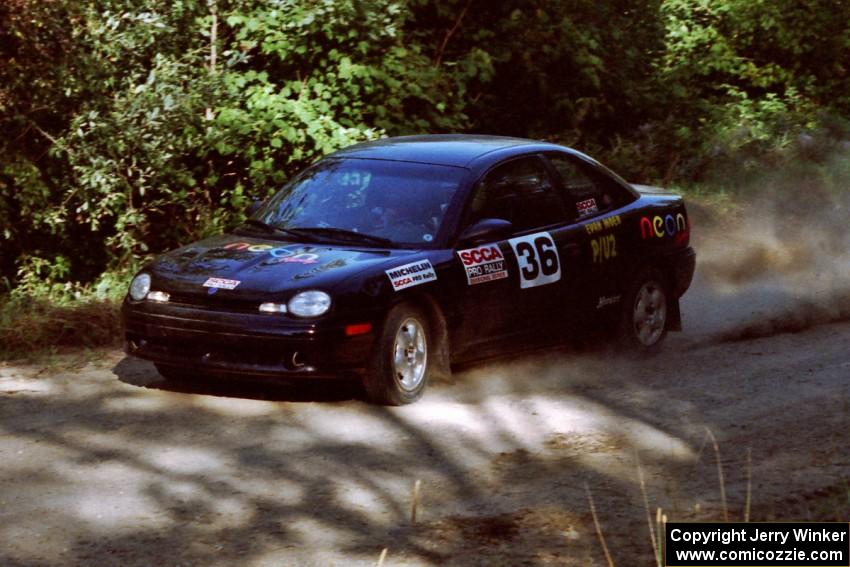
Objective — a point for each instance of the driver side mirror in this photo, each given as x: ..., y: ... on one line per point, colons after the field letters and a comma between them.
x: 486, y: 230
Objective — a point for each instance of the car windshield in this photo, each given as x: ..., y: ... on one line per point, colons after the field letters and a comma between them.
x: 355, y: 199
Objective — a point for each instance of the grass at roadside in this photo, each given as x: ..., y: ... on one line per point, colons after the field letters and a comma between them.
x: 39, y: 326
x: 39, y: 318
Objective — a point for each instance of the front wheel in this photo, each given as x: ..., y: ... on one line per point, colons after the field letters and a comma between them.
x: 643, y: 320
x: 400, y: 366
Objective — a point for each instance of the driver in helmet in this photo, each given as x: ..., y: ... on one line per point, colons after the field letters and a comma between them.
x: 402, y: 214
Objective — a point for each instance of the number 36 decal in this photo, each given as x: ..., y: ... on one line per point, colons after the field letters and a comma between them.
x: 538, y: 259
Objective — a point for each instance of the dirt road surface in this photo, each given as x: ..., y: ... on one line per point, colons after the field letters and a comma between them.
x: 102, y: 463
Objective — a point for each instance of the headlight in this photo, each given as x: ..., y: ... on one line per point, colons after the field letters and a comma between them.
x: 310, y: 304
x: 140, y: 286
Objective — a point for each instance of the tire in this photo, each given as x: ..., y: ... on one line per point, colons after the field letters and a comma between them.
x: 401, y: 362
x: 644, y: 313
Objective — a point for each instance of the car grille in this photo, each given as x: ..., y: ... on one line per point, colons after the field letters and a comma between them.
x: 215, y: 302
x: 240, y: 353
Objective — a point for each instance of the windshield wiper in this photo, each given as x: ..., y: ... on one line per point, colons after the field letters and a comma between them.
x: 346, y: 234
x: 324, y: 233
x: 271, y: 229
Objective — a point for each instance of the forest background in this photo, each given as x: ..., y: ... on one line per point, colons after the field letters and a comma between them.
x: 133, y: 126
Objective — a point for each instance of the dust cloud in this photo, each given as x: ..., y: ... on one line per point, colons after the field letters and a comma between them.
x: 779, y: 263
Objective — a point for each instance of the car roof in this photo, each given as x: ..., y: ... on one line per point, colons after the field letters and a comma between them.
x: 458, y: 150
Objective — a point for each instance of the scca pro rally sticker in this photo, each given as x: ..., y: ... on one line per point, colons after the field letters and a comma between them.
x: 221, y: 283
x: 587, y: 207
x: 483, y: 264
x: 538, y: 259
x: 410, y: 275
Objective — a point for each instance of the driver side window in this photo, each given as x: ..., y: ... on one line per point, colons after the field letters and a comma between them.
x: 519, y: 191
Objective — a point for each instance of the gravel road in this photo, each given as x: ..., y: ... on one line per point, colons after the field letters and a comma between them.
x: 101, y: 463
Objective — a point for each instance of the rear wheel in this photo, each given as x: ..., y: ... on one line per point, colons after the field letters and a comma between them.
x: 643, y: 320
x: 400, y: 366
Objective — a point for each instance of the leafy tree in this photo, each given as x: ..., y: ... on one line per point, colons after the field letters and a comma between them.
x: 132, y: 126
x: 173, y: 113
x: 577, y: 72
x: 758, y: 47
x: 747, y: 78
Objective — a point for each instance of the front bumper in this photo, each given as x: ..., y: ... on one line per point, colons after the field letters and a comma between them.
x: 227, y: 342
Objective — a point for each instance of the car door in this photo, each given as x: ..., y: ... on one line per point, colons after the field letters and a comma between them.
x: 513, y: 283
x: 598, y: 203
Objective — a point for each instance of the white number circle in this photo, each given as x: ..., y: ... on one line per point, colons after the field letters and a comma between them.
x: 538, y: 259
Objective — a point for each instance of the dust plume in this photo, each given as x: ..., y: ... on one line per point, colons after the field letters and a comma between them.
x: 780, y: 262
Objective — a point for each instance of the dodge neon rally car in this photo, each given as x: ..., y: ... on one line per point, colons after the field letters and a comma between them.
x: 391, y: 260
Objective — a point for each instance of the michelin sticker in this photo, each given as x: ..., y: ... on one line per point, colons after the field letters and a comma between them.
x: 412, y: 274
x: 221, y: 283
x: 483, y: 264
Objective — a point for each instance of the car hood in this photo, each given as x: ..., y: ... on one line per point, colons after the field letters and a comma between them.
x: 245, y: 267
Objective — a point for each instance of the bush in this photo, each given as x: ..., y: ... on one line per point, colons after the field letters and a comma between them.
x: 124, y: 139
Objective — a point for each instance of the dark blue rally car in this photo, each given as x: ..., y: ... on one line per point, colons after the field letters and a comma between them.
x: 391, y: 260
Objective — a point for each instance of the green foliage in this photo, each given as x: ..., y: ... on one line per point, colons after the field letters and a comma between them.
x: 305, y: 79
x: 573, y: 70
x: 124, y: 140
x: 152, y: 146
x: 140, y: 178
x: 40, y: 279
x: 746, y: 78
x: 758, y: 47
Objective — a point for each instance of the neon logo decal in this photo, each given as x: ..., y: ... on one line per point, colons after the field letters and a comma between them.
x: 659, y: 227
x: 280, y: 253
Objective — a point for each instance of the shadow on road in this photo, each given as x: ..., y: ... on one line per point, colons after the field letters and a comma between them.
x: 135, y: 372
x: 132, y: 472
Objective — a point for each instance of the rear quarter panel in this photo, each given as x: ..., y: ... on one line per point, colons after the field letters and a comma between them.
x: 657, y: 230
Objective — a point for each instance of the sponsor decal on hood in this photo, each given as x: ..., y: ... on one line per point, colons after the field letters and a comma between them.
x: 221, y: 283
